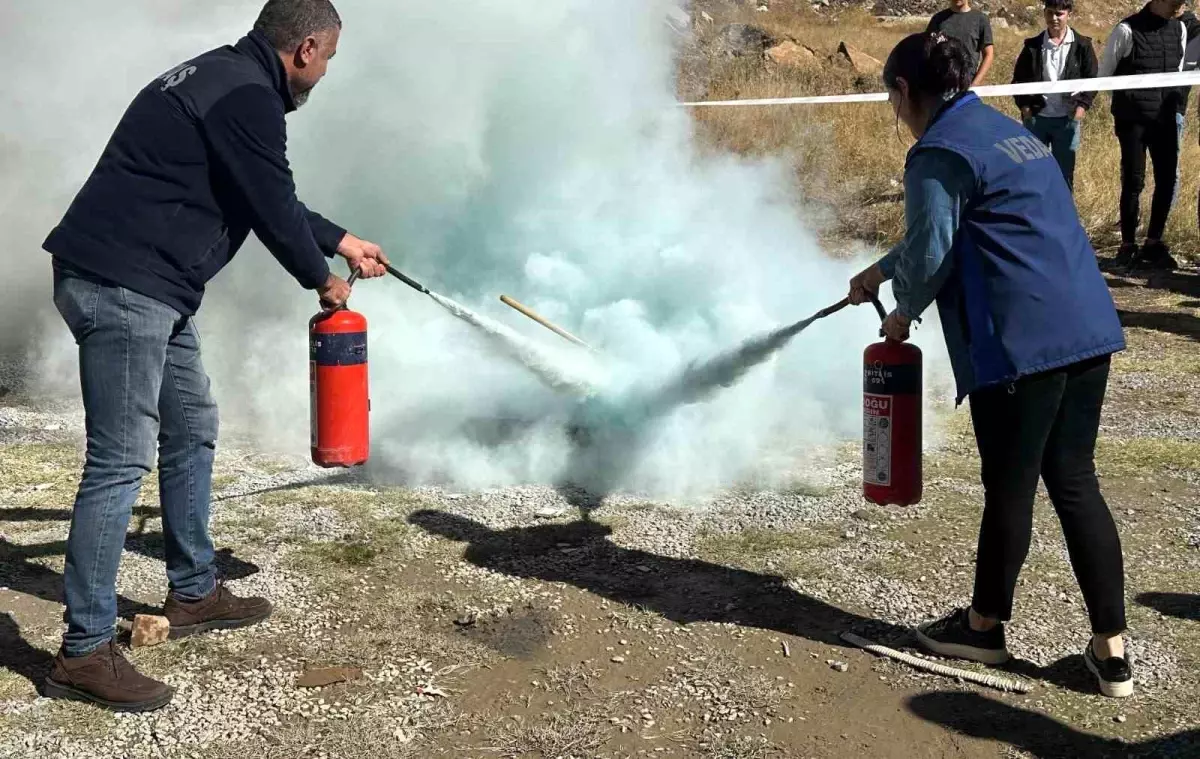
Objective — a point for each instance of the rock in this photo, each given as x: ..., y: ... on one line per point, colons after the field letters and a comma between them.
x: 618, y: 660
x: 790, y: 55
x: 744, y: 39
x: 317, y: 678
x: 901, y: 20
x: 549, y: 512
x: 858, y: 60
x: 707, y: 18
x: 1120, y: 718
x: 466, y: 620
x: 149, y: 630
x: 1000, y: 23
x: 678, y: 20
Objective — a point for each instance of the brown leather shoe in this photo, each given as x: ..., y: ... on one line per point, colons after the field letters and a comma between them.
x: 221, y: 610
x: 104, y: 677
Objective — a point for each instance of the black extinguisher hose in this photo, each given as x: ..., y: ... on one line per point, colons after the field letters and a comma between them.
x: 878, y: 308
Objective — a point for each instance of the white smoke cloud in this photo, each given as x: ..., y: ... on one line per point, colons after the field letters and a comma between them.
x: 491, y: 147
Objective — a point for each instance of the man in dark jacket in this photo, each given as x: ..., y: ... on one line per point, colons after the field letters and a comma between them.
x: 1059, y: 53
x: 197, y: 162
x: 1152, y: 41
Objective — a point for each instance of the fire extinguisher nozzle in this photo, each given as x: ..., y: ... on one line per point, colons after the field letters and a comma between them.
x: 406, y: 279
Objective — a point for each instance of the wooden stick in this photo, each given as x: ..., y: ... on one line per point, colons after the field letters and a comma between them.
x: 542, y: 321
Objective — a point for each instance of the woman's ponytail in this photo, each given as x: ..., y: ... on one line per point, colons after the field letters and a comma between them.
x: 933, y: 64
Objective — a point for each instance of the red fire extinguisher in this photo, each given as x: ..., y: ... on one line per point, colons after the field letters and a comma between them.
x: 339, y: 403
x: 891, y: 421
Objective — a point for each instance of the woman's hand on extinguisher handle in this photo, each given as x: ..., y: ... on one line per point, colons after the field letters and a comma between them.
x: 895, y: 326
x: 865, y: 285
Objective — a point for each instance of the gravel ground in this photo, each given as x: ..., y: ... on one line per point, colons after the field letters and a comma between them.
x: 238, y: 689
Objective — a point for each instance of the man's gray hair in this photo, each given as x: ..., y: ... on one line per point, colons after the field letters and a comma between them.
x: 286, y: 23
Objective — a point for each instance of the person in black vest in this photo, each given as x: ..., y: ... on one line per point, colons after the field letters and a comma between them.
x: 1058, y: 53
x: 992, y: 235
x: 1152, y: 41
x: 197, y: 162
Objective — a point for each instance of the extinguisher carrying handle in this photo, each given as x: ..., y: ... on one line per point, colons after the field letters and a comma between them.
x: 328, y: 312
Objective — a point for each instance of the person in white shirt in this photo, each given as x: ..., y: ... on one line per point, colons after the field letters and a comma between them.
x: 1058, y: 53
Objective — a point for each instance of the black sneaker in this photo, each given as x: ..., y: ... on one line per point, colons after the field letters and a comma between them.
x: 952, y: 636
x: 1155, y: 256
x: 1126, y: 254
x: 1113, y: 675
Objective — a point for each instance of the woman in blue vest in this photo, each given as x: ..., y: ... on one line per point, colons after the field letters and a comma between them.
x: 994, y: 238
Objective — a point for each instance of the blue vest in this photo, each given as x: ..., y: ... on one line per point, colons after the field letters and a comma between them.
x: 1026, y: 294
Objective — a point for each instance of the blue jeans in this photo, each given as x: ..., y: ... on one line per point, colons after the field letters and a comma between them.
x: 1061, y: 135
x: 142, y: 383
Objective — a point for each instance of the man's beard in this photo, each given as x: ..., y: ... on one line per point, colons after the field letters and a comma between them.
x: 300, y: 97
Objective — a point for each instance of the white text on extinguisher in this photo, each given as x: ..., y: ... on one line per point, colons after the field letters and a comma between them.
x: 877, y: 439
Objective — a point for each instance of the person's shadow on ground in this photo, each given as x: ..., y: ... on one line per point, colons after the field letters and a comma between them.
x: 682, y: 590
x: 1037, y: 734
x: 1182, y: 605
x: 22, y: 574
x: 1181, y: 282
x: 19, y: 657
x: 1178, y: 323
x: 685, y: 590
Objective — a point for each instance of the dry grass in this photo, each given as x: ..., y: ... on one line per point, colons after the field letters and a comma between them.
x: 847, y: 157
x: 573, y: 681
x: 741, y: 747
x: 787, y: 554
x: 356, y: 739
x: 573, y: 732
x: 1146, y: 456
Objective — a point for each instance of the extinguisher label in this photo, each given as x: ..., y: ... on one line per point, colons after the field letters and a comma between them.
x: 340, y: 349
x: 877, y: 439
x: 892, y: 379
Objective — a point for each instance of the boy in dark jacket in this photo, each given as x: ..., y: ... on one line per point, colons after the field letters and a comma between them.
x: 1058, y: 53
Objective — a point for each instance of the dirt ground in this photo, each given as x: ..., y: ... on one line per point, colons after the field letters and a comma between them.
x: 499, y: 624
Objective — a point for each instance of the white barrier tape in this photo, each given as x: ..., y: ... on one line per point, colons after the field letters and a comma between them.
x: 1069, y: 86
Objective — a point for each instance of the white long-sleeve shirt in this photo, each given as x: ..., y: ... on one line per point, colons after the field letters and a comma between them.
x: 1054, y: 62
x: 1120, y: 45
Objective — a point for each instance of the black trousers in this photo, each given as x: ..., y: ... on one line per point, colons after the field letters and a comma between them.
x: 1046, y: 424
x: 1161, y: 139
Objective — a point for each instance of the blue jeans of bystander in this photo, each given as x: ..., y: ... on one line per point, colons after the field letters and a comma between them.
x: 1061, y: 135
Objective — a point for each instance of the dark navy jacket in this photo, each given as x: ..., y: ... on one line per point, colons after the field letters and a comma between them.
x: 1020, y: 290
x: 197, y: 162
